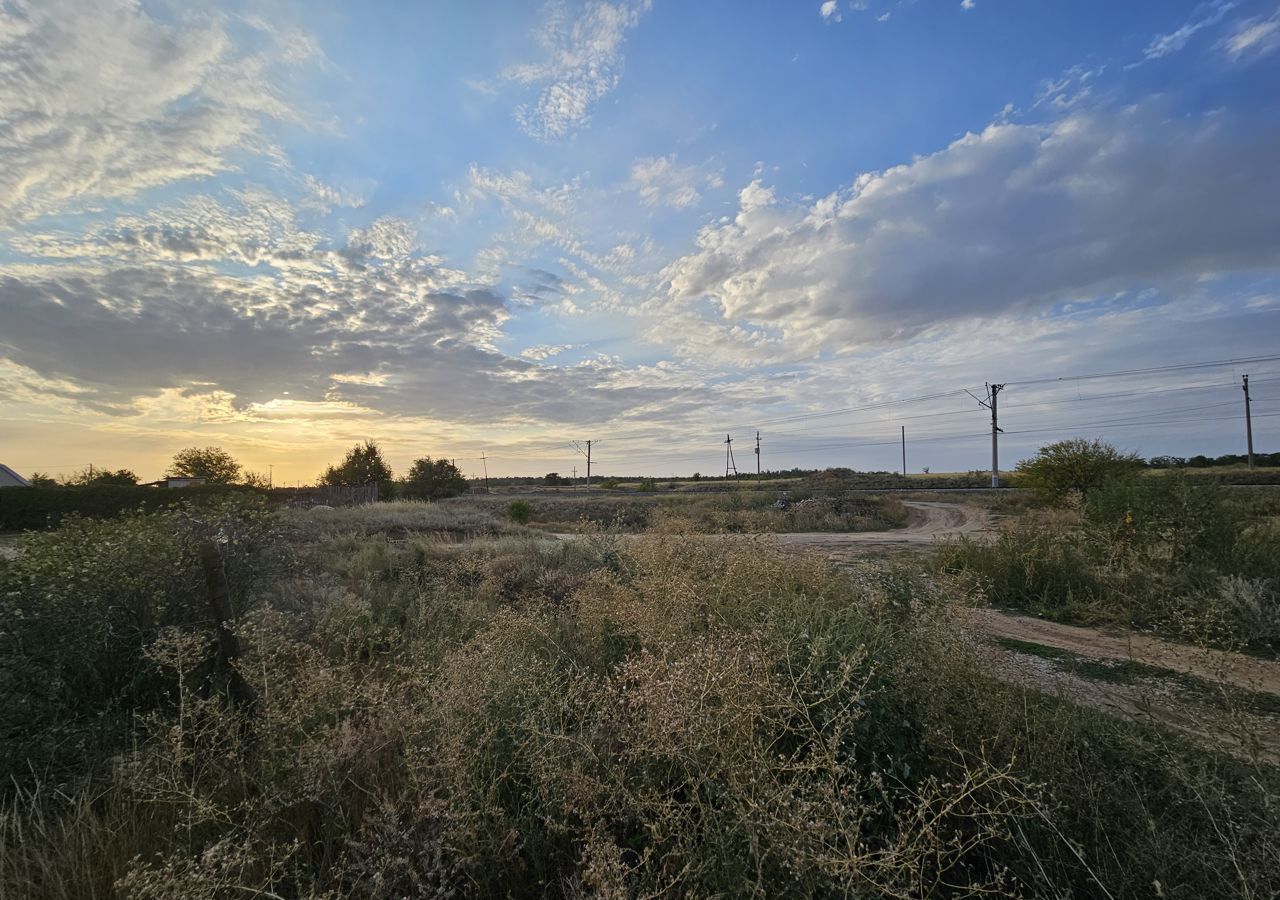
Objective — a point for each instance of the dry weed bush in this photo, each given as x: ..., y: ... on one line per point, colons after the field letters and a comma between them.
x: 672, y: 715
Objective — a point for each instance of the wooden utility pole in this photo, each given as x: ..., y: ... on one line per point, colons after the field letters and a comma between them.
x: 484, y: 461
x: 757, y: 456
x: 728, y: 458
x: 1248, y: 420
x: 904, y: 451
x: 587, y: 453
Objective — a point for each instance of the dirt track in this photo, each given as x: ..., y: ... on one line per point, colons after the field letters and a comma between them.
x: 929, y: 522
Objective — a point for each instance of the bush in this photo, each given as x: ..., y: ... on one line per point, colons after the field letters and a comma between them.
x: 519, y: 511
x: 80, y: 607
x: 1074, y: 466
x: 33, y: 508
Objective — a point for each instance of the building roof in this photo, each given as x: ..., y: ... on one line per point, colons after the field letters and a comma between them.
x: 10, y: 478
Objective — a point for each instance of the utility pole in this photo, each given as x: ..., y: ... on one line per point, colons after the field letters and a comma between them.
x: 995, y: 390
x: 728, y: 458
x: 484, y: 461
x: 990, y: 403
x: 271, y: 475
x: 587, y: 453
x: 575, y: 474
x: 757, y: 455
x: 1248, y: 420
x: 904, y: 451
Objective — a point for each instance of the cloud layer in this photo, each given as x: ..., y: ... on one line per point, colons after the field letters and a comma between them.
x: 1014, y: 217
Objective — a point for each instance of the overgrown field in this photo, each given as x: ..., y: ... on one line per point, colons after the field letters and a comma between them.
x: 738, y: 511
x: 417, y: 708
x: 1193, y: 559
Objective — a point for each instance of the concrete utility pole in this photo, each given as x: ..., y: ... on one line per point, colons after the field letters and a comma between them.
x: 587, y: 453
x: 757, y: 456
x: 484, y: 461
x: 993, y: 390
x: 728, y: 458
x: 1248, y: 420
x: 904, y: 451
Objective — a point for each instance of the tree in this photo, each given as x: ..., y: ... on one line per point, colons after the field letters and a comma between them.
x: 430, y: 479
x: 213, y: 464
x: 1074, y: 465
x: 363, y: 464
x: 42, y: 479
x: 92, y: 476
x: 259, y: 480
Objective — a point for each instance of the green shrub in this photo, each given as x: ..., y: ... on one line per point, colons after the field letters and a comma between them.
x: 519, y: 511
x: 34, y: 508
x: 1074, y: 466
x: 81, y: 605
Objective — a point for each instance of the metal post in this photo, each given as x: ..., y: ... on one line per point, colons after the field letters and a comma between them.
x: 1248, y: 420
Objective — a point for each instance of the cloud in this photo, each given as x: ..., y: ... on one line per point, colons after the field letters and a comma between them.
x: 100, y: 100
x: 583, y: 63
x: 1164, y: 44
x: 1015, y: 217
x: 1254, y: 37
x: 662, y: 181
x: 830, y: 11
x: 967, y: 4
x: 540, y: 352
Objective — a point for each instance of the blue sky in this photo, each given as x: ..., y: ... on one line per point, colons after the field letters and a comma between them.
x: 464, y: 228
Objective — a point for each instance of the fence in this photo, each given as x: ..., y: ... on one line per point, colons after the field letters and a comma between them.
x: 328, y: 495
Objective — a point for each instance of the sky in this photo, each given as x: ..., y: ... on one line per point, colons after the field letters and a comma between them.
x: 490, y: 230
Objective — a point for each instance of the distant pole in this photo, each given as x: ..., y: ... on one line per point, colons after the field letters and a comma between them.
x: 729, y: 463
x: 1248, y: 420
x: 271, y: 475
x: 757, y: 456
x: 575, y: 474
x: 995, y: 436
x: 588, y: 465
x: 904, y: 450
x: 484, y: 461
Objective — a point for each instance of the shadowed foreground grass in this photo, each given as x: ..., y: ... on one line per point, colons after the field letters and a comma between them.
x: 664, y: 716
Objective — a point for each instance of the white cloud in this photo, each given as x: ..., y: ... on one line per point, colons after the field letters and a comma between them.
x: 99, y: 100
x: 1015, y: 217
x: 1164, y: 44
x: 663, y: 181
x: 1254, y: 37
x: 967, y: 4
x: 583, y: 63
x: 540, y: 352
x: 830, y: 10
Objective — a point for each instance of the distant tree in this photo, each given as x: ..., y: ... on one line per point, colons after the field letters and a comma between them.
x: 430, y: 479
x: 42, y: 479
x: 553, y: 479
x: 1074, y: 465
x: 259, y: 480
x: 213, y: 464
x: 95, y: 476
x: 363, y: 464
x: 697, y: 476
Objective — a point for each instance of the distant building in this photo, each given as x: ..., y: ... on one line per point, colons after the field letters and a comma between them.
x: 10, y: 478
x: 175, y: 482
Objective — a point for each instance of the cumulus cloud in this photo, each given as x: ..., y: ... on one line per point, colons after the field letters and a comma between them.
x: 583, y: 63
x: 1014, y: 217
x: 100, y: 100
x: 540, y: 352
x: 663, y: 181
x: 830, y: 11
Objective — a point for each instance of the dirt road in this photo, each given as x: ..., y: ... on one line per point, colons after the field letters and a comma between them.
x: 929, y: 522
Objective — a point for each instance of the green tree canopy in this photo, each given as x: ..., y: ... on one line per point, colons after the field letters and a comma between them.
x: 362, y: 464
x: 430, y: 479
x: 1077, y: 465
x: 214, y: 464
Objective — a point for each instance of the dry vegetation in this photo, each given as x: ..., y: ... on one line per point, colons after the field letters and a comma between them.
x: 447, y: 705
